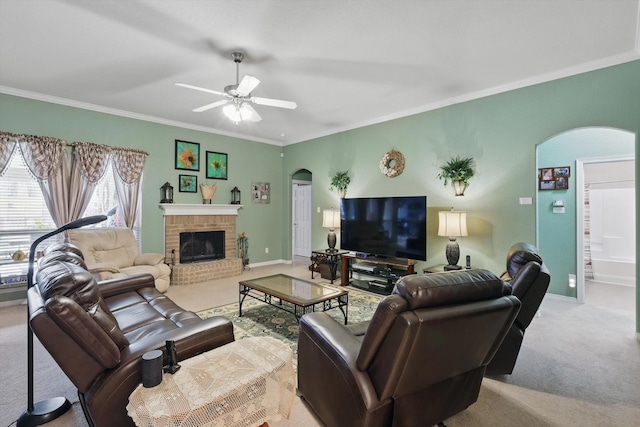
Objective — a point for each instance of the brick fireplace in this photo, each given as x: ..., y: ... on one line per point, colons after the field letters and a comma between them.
x: 180, y: 218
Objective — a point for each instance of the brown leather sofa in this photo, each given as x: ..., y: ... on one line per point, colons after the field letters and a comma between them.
x: 97, y: 333
x: 421, y: 358
x: 529, y: 279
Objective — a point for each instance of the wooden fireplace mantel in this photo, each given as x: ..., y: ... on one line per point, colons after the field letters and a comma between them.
x: 181, y: 209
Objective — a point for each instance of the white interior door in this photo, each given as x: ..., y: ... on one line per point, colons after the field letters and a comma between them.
x: 302, y: 220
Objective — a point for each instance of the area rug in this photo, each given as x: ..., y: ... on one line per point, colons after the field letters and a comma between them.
x: 260, y: 319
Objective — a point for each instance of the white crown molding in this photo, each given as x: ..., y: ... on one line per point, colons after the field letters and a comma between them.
x: 181, y: 209
x: 122, y: 113
x: 638, y: 30
x: 542, y: 78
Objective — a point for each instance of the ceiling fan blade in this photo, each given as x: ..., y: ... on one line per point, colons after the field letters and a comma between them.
x: 209, y: 106
x: 274, y: 102
x: 247, y: 84
x: 201, y: 89
x: 255, y: 117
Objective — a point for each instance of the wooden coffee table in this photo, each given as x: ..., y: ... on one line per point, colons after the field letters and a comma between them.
x: 294, y: 295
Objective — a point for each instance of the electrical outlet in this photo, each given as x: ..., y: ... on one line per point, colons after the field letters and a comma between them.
x: 572, y: 280
x: 266, y: 250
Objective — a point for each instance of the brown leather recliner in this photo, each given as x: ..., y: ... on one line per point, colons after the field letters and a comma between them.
x: 529, y: 279
x: 97, y: 333
x: 421, y: 358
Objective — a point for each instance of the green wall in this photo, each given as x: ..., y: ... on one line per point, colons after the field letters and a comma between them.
x: 563, y: 150
x: 247, y: 161
x: 501, y: 132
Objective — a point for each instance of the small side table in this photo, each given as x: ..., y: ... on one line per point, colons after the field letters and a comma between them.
x: 332, y: 258
x: 438, y: 269
x: 251, y: 380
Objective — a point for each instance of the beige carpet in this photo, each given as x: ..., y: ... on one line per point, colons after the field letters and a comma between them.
x: 579, y: 366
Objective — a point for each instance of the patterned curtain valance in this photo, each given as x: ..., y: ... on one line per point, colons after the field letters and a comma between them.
x: 129, y: 163
x: 8, y: 143
x: 93, y: 160
x: 42, y: 154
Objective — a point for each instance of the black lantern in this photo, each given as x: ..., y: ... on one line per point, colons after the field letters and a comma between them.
x: 166, y: 193
x: 235, y: 196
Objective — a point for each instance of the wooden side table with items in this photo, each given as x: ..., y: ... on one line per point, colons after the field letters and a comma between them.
x: 244, y: 383
x: 440, y: 268
x: 328, y: 258
x: 434, y: 269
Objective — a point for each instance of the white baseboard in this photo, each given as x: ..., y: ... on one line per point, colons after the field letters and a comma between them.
x: 273, y: 262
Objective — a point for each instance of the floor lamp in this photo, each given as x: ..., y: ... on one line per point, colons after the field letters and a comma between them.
x: 50, y: 409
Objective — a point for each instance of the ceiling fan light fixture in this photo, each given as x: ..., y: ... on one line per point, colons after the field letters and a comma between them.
x: 245, y: 112
x: 232, y: 113
x: 238, y: 97
x: 237, y: 113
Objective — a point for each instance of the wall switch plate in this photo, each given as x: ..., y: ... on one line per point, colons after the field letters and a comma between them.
x: 526, y: 200
x: 266, y: 250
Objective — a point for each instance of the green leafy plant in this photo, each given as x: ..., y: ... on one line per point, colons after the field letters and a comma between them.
x: 457, y: 169
x: 340, y: 182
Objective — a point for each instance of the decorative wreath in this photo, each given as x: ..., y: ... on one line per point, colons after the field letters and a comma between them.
x: 392, y: 164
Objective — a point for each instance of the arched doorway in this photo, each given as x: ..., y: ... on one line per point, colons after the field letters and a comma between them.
x: 301, y: 197
x: 563, y: 213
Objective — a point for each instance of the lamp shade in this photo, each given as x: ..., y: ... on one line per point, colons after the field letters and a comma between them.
x: 452, y: 223
x: 331, y: 218
x: 237, y: 113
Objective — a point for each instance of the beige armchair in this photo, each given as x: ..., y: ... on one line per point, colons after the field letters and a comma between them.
x: 113, y: 253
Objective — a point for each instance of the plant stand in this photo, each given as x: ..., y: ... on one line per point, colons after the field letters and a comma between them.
x: 243, y: 252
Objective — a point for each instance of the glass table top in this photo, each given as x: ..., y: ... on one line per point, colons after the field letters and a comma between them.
x: 294, y: 290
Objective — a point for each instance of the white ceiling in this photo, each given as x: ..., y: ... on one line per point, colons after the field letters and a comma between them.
x: 347, y: 63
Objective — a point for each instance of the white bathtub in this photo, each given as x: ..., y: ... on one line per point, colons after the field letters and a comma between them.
x: 622, y: 272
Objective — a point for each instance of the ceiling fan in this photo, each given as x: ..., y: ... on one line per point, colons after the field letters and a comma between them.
x: 238, y: 97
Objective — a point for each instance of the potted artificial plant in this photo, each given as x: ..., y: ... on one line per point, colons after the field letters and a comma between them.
x: 458, y: 170
x: 340, y: 182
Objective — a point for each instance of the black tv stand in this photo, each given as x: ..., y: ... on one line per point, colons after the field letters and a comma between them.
x: 365, y: 255
x: 376, y: 274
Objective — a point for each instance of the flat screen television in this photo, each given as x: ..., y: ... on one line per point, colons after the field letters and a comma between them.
x: 385, y: 226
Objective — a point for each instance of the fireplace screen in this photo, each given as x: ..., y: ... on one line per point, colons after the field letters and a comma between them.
x: 201, y: 246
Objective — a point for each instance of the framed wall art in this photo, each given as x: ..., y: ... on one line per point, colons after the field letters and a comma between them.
x: 556, y: 178
x: 562, y: 183
x: 545, y: 174
x: 260, y: 192
x: 217, y: 165
x: 187, y: 155
x: 188, y: 183
x: 546, y: 184
x: 564, y: 171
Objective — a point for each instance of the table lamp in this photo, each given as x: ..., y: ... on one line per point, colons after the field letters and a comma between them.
x: 331, y: 220
x: 452, y: 224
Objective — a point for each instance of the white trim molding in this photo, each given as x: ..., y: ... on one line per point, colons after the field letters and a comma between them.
x: 180, y: 209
